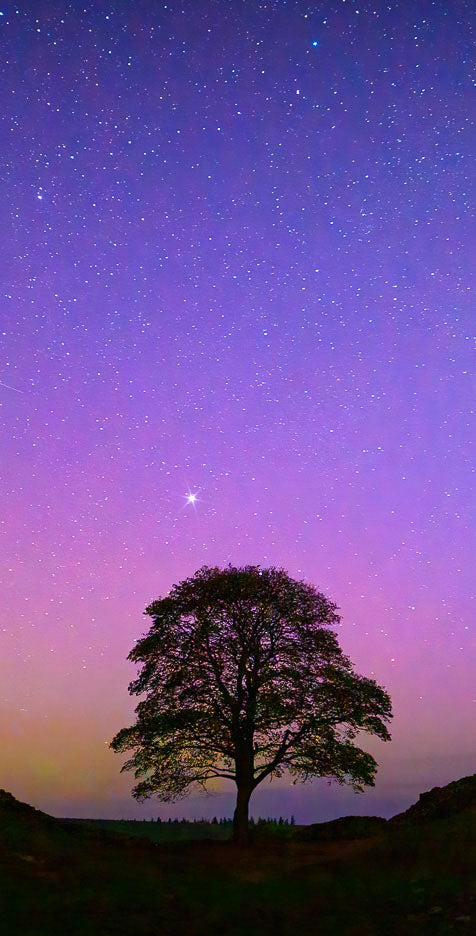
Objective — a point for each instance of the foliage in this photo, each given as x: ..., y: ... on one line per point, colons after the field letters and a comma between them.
x: 242, y: 678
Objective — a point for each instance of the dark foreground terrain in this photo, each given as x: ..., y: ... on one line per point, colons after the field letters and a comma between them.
x: 415, y: 874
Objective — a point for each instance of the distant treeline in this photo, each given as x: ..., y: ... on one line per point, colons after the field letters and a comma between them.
x: 224, y: 821
x: 181, y: 830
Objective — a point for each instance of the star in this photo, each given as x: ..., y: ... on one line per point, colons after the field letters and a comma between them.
x: 191, y: 497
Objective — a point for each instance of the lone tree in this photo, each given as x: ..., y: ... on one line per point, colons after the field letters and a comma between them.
x: 243, y: 679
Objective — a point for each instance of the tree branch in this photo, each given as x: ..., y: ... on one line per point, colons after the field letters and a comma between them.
x: 221, y: 685
x: 275, y: 762
x: 211, y: 776
x: 283, y: 749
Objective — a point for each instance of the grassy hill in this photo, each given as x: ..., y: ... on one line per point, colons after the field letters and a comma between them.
x: 413, y: 876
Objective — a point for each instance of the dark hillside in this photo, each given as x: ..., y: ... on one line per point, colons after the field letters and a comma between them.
x: 409, y: 879
x: 347, y: 827
x: 12, y: 811
x: 25, y: 829
x: 441, y: 802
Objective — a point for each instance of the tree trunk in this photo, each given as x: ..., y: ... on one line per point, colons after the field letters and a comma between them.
x: 241, y: 834
x: 244, y: 779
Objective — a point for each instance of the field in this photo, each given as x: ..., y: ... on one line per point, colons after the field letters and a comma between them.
x: 81, y: 880
x: 180, y: 830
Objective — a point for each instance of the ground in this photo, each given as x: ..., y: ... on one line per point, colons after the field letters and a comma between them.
x: 405, y: 881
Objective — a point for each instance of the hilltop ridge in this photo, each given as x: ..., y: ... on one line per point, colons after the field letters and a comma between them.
x: 441, y: 802
x: 21, y: 819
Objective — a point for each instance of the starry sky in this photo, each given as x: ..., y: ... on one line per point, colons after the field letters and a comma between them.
x: 237, y: 261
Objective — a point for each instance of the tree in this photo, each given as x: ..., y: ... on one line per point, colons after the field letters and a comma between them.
x: 243, y: 679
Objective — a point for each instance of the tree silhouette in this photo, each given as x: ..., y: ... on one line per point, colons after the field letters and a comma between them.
x: 243, y: 679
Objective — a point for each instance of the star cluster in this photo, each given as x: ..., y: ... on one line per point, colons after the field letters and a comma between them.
x: 237, y: 325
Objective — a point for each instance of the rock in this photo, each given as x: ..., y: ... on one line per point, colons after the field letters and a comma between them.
x: 12, y: 809
x: 441, y: 802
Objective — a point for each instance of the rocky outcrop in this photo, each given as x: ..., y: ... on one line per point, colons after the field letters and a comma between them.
x: 438, y: 803
x: 441, y: 802
x: 25, y: 831
x: 12, y: 811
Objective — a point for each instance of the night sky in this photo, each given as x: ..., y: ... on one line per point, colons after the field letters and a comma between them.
x: 237, y: 261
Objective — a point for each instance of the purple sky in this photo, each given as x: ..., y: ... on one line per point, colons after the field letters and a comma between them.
x: 237, y: 259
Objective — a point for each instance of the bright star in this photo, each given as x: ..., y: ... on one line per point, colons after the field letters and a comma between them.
x: 191, y: 497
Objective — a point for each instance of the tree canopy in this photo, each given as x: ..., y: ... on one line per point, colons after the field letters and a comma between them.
x: 243, y: 678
